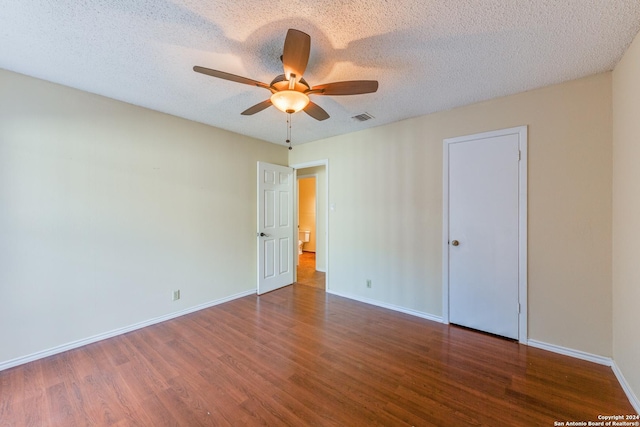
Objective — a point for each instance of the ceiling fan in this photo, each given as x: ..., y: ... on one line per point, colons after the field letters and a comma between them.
x: 289, y: 91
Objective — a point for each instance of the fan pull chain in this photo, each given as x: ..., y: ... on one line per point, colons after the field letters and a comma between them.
x: 288, y: 141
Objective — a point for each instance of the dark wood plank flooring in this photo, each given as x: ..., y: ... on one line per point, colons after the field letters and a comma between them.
x: 298, y: 356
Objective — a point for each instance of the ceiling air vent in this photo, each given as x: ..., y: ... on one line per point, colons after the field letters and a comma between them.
x: 363, y: 117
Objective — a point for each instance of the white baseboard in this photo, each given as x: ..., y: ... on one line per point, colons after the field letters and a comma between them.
x: 633, y: 399
x: 389, y: 306
x: 600, y: 360
x: 607, y: 361
x: 75, y: 344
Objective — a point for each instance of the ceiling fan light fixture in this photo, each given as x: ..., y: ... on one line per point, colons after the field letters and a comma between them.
x: 289, y: 91
x: 289, y: 101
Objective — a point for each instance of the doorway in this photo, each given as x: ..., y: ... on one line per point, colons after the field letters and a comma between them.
x: 312, y: 224
x: 484, y: 232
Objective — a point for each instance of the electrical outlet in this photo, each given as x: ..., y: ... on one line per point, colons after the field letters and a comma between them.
x: 176, y: 295
x: 368, y: 283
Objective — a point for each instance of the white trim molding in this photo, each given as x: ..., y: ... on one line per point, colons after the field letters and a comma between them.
x: 110, y: 334
x: 633, y: 399
x: 578, y: 354
x: 311, y: 164
x: 416, y: 313
x: 521, y: 131
x: 601, y: 360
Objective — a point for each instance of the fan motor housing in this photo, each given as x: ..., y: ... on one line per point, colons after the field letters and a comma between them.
x: 281, y: 83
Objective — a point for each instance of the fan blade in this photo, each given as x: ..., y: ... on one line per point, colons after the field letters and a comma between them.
x: 295, y: 55
x: 353, y: 87
x: 315, y: 111
x: 257, y: 108
x: 228, y: 76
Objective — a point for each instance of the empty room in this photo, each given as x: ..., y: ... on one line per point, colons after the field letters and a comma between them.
x: 465, y: 250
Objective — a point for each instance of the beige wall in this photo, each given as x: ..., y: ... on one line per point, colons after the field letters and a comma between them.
x: 626, y: 216
x: 386, y: 185
x: 105, y: 208
x: 307, y: 210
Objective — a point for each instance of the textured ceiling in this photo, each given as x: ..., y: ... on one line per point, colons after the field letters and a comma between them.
x: 428, y: 55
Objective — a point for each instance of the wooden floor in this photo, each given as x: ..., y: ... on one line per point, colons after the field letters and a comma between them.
x: 307, y: 273
x: 298, y: 356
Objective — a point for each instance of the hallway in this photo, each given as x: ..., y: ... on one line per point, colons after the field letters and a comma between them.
x: 307, y: 273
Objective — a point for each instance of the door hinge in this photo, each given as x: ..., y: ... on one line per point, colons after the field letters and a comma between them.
x: 518, y: 308
x: 519, y: 155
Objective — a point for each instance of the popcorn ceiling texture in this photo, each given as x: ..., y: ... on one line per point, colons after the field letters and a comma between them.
x: 428, y: 55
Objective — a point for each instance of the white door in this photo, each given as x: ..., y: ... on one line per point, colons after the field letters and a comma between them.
x: 484, y: 232
x: 275, y: 227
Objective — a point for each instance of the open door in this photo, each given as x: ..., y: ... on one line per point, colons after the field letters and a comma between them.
x: 275, y: 227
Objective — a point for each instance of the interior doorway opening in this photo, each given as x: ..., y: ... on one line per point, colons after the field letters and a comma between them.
x: 312, y: 226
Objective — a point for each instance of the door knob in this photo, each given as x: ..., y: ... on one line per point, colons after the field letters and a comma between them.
x: 455, y: 242
x: 263, y: 235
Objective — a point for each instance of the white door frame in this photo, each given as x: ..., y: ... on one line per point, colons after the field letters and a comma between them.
x: 311, y: 164
x: 521, y: 131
